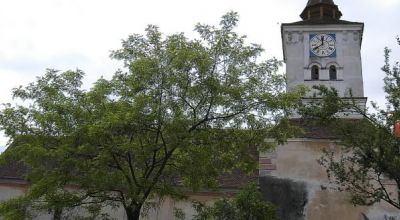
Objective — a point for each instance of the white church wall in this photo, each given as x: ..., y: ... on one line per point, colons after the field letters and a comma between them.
x: 163, y: 210
x: 10, y: 191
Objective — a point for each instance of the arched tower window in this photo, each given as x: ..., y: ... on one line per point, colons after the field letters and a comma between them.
x: 314, y: 72
x: 332, y: 73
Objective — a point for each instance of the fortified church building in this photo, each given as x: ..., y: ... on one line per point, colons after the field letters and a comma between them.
x: 321, y: 49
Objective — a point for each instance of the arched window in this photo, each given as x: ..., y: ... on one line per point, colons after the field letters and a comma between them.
x: 332, y: 73
x: 314, y: 72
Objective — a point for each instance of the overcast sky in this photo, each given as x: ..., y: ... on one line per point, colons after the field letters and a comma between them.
x: 70, y: 34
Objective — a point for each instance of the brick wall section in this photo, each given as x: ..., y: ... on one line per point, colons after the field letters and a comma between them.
x: 397, y: 129
x: 267, y: 163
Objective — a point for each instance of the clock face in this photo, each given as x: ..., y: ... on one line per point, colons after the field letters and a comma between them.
x: 323, y: 45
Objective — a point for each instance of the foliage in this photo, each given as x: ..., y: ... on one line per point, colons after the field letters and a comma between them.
x: 369, y: 159
x: 184, y: 112
x: 248, y: 204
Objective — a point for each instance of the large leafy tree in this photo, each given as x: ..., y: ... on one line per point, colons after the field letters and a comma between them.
x: 184, y: 112
x: 368, y: 165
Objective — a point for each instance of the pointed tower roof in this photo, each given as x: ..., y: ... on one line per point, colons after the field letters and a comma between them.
x: 320, y: 10
x: 314, y: 2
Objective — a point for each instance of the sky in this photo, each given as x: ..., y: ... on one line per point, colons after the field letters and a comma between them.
x: 71, y: 34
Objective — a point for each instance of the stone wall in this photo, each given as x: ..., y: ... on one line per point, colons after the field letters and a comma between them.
x: 292, y: 179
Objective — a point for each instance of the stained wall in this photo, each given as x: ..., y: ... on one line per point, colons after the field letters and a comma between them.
x: 292, y: 178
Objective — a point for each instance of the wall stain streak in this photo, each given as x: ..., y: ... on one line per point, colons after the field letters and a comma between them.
x: 288, y: 196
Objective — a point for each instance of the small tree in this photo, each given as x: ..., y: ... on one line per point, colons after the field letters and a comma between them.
x: 370, y: 152
x: 248, y: 204
x: 185, y: 112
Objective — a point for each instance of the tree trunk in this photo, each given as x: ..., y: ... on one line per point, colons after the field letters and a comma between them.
x: 57, y: 214
x: 133, y: 213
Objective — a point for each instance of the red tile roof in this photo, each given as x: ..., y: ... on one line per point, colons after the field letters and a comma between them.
x: 12, y: 171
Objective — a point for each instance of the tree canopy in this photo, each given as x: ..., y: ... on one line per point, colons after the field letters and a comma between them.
x: 182, y: 112
x: 369, y: 159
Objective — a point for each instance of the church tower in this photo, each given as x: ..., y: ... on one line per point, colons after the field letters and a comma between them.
x: 322, y: 49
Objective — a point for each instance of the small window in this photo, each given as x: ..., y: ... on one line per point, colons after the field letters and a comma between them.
x: 332, y: 73
x: 314, y: 73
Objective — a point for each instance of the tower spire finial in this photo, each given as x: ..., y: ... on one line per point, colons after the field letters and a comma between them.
x: 321, y: 9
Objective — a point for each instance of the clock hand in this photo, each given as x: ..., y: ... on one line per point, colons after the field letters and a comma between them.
x: 322, y: 43
x: 317, y: 46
